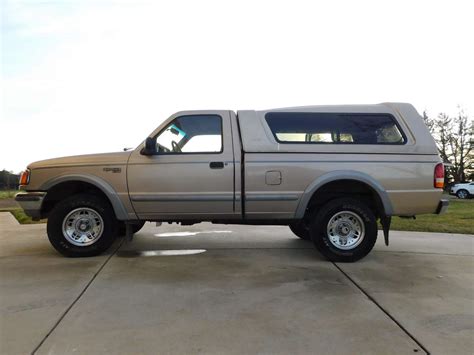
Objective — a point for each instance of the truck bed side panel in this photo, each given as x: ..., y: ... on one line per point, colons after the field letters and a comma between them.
x: 299, y: 171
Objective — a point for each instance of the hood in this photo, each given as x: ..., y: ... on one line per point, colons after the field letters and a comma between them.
x: 118, y: 158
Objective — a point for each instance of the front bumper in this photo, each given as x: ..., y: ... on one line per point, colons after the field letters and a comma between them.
x: 31, y: 203
x: 442, y: 206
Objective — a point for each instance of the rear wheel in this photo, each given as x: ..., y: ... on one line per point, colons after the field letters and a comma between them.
x: 82, y: 225
x: 300, y: 229
x: 344, y: 230
x: 462, y: 194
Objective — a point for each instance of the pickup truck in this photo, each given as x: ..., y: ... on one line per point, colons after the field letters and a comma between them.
x: 328, y: 172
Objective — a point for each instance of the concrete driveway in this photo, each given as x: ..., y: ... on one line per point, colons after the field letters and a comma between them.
x: 235, y: 289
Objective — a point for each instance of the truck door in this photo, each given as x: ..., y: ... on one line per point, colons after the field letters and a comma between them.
x: 192, y: 173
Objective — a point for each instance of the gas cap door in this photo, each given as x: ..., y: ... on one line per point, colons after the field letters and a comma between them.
x: 273, y: 177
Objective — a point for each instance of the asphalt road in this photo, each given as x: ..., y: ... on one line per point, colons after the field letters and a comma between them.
x: 217, y: 289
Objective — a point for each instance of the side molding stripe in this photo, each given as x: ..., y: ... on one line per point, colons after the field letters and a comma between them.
x: 181, y: 198
x: 271, y: 197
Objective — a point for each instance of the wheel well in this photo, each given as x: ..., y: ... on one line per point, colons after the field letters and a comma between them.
x: 63, y: 190
x: 346, y: 188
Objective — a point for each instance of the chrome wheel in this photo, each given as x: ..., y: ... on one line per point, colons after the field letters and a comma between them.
x: 83, y: 227
x: 462, y: 194
x: 345, y: 230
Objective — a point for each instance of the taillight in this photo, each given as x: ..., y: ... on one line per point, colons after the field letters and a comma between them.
x: 25, y: 177
x: 439, y: 176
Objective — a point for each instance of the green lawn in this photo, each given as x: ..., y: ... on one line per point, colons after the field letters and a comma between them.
x: 4, y: 194
x: 458, y: 219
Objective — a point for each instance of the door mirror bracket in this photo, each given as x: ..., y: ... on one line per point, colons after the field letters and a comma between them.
x: 149, y: 148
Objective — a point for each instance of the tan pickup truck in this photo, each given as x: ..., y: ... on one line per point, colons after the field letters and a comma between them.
x: 327, y: 172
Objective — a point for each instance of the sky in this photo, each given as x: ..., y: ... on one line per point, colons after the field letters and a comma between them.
x: 83, y: 77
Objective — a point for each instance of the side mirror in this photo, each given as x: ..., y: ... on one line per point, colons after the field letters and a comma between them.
x: 150, y: 147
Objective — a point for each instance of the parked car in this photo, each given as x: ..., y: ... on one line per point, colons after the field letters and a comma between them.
x: 328, y: 172
x: 462, y: 190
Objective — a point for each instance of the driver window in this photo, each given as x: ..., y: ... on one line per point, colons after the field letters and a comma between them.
x: 191, y: 134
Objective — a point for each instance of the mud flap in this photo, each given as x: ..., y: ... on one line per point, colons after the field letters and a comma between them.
x: 128, y: 231
x: 386, y: 221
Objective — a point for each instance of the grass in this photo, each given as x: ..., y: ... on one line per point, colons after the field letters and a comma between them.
x: 458, y: 219
x: 4, y: 194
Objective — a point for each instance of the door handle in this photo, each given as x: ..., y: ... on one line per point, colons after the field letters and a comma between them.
x: 216, y: 165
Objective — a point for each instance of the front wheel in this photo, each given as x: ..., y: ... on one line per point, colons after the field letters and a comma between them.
x: 81, y: 225
x: 344, y: 230
x: 462, y: 194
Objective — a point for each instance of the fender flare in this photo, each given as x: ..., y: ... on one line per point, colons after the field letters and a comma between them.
x: 105, y: 187
x: 343, y: 175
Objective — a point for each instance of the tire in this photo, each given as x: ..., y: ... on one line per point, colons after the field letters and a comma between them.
x: 339, y: 218
x: 462, y: 194
x: 90, y: 212
x: 300, y: 229
x: 135, y: 228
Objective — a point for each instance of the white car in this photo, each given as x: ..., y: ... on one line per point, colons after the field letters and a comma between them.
x: 463, y: 191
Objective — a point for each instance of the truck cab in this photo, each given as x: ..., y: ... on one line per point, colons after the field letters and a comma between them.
x: 188, y: 169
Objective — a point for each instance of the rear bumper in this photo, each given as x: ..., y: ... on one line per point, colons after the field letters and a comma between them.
x: 442, y: 206
x: 31, y: 203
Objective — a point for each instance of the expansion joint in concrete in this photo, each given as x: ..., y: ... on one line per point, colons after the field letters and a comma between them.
x: 379, y: 306
x: 77, y: 298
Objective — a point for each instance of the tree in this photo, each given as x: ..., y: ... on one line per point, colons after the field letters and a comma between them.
x: 461, y: 146
x: 428, y: 121
x: 454, y: 138
x: 8, y: 180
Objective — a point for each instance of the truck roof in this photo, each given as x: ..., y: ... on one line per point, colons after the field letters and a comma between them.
x: 372, y: 108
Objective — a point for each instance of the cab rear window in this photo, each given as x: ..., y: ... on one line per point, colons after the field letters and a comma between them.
x: 334, y: 128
